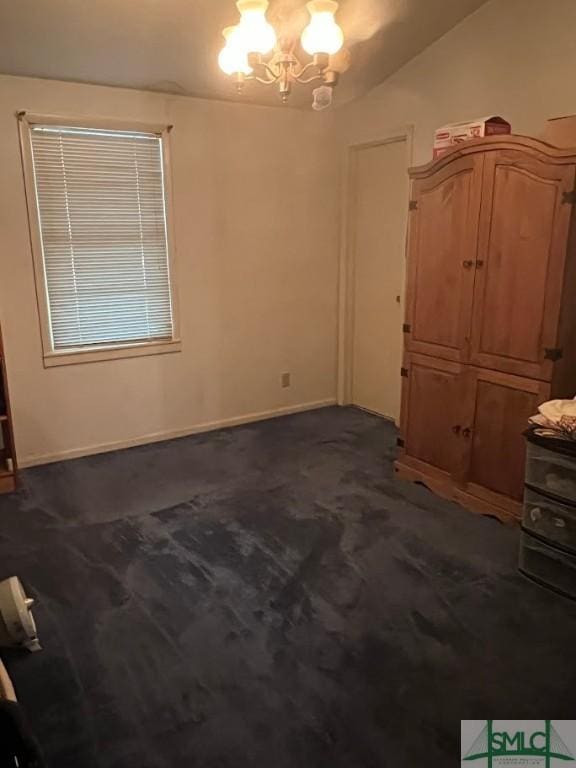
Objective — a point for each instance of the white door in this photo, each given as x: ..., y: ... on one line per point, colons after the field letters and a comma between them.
x: 378, y: 212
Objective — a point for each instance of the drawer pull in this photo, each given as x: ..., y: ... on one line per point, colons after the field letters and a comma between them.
x: 535, y: 514
x: 559, y: 523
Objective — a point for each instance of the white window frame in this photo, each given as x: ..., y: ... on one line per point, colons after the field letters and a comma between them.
x: 109, y: 351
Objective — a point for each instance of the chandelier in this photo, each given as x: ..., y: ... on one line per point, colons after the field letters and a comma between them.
x: 252, y: 52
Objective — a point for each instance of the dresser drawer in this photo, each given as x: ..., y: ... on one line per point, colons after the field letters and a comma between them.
x: 551, y: 471
x: 550, y: 519
x: 547, y: 565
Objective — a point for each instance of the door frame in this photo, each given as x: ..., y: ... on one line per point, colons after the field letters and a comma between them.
x: 347, y: 255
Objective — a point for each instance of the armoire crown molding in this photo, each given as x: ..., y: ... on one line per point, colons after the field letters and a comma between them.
x: 555, y: 155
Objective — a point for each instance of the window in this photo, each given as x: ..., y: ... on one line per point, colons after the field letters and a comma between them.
x: 99, y: 223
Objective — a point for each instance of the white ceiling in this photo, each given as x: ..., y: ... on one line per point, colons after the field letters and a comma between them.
x: 172, y: 45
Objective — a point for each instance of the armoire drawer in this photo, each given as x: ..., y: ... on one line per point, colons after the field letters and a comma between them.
x: 550, y: 519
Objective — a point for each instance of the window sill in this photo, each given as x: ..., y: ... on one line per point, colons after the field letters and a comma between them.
x: 97, y: 354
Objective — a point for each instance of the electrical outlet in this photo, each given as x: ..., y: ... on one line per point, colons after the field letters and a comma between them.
x: 285, y: 380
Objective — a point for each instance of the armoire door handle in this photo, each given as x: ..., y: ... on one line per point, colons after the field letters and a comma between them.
x: 456, y: 429
x: 466, y: 432
x: 468, y: 264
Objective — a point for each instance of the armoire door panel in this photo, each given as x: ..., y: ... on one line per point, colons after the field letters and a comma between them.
x: 523, y: 232
x: 431, y: 408
x: 443, y: 232
x: 500, y: 407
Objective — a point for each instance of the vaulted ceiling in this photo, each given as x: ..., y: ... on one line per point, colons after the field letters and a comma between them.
x: 172, y: 45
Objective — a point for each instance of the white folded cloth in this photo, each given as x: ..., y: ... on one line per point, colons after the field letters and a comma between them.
x: 556, y: 418
x: 554, y: 410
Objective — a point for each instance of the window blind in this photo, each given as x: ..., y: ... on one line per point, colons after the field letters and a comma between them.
x: 102, y: 214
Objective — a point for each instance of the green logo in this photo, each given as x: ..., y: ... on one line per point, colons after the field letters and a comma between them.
x: 545, y: 744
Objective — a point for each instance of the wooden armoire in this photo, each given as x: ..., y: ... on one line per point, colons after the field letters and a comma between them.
x: 490, y: 328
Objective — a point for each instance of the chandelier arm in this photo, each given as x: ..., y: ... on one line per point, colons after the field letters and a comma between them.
x: 272, y: 77
x: 263, y: 80
x: 303, y: 69
x: 305, y: 80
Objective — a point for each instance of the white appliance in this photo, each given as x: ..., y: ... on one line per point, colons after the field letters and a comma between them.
x: 17, y: 627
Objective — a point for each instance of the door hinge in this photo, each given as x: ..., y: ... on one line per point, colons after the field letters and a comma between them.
x: 569, y: 198
x: 553, y: 353
x: 406, y: 328
x: 413, y: 205
x: 404, y: 372
x: 399, y: 442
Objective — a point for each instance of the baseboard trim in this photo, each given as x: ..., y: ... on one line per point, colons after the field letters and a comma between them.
x: 158, y: 437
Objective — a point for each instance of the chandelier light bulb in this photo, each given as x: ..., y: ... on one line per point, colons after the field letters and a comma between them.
x: 258, y: 35
x: 233, y: 58
x: 322, y: 35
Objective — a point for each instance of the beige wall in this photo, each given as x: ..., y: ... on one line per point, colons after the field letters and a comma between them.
x: 514, y: 58
x: 256, y: 219
x: 255, y: 209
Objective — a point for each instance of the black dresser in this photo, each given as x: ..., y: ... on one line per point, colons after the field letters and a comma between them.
x: 548, y: 538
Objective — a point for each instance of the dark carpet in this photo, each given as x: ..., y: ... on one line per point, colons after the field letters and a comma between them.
x: 271, y: 596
